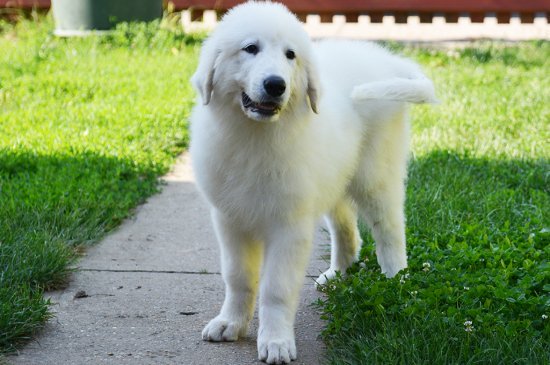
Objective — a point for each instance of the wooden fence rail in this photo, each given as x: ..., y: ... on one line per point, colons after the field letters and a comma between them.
x: 400, y: 9
x: 410, y: 19
x: 375, y: 9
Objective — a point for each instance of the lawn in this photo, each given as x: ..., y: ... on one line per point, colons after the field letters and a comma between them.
x: 478, y: 208
x: 88, y: 125
x: 86, y: 128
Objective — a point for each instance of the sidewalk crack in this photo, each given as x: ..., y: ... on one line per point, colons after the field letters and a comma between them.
x: 202, y: 272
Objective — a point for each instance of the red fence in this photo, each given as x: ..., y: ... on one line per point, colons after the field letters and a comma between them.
x: 376, y: 9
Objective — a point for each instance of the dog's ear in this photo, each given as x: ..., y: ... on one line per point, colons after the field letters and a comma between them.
x: 313, y: 87
x: 203, y: 79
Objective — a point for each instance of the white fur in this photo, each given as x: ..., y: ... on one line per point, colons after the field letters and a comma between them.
x: 269, y: 179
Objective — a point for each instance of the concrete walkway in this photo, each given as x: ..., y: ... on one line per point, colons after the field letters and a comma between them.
x: 143, y: 294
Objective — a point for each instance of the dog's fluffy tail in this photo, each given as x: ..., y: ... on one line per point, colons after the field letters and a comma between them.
x: 418, y: 90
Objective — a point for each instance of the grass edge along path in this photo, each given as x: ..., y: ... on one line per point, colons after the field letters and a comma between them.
x: 87, y: 126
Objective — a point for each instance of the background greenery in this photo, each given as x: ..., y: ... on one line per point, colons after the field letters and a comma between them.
x: 87, y: 126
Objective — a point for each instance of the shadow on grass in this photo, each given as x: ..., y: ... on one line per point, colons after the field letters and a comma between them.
x: 447, y: 191
x: 49, y: 206
x: 478, y: 235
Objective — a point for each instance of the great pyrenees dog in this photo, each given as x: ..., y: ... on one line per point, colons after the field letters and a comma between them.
x: 287, y: 131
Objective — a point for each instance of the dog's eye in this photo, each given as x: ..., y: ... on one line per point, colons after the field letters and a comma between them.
x: 290, y: 54
x: 252, y: 49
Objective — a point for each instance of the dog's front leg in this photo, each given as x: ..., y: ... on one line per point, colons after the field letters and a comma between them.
x: 241, y: 260
x: 287, y: 252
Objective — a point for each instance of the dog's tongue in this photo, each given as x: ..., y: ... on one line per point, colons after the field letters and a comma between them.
x: 262, y: 107
x: 266, y: 106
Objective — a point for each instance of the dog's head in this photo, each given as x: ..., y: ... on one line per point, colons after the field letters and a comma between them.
x: 259, y: 59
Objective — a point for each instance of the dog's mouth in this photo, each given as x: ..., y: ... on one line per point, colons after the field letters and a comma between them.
x: 263, y: 108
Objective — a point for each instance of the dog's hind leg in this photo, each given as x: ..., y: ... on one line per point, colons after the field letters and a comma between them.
x: 345, y: 239
x: 379, y: 190
x: 384, y: 214
x: 241, y: 262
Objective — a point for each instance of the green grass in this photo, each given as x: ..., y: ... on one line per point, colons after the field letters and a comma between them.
x: 86, y: 127
x: 478, y: 231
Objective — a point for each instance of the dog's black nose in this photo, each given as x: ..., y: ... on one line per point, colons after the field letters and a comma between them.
x: 274, y: 86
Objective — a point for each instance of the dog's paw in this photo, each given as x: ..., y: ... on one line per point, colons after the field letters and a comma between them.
x: 391, y: 265
x: 219, y: 329
x: 325, y: 277
x: 278, y: 351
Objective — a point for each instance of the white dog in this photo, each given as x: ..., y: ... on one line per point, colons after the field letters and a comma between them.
x: 289, y: 131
